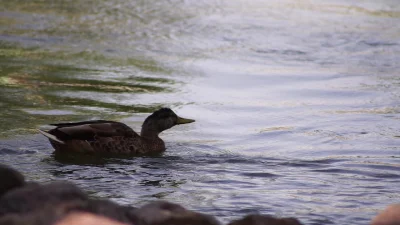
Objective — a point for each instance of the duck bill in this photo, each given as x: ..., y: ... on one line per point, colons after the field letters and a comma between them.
x: 184, y: 120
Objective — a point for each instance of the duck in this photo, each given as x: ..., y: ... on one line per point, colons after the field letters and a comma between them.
x: 104, y: 136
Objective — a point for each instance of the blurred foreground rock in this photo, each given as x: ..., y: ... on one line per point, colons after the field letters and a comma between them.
x: 78, y: 218
x: 264, y: 220
x: 166, y: 213
x: 9, y: 179
x: 389, y: 216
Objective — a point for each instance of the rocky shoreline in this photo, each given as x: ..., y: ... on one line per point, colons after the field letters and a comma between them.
x: 63, y: 203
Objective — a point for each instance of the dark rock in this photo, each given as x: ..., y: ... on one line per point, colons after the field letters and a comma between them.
x: 9, y: 179
x: 166, y: 213
x: 264, y: 220
x: 46, y: 215
x: 33, y: 197
x: 50, y: 214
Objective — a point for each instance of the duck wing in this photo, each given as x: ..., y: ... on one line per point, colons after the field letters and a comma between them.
x: 88, y: 130
x: 81, y: 123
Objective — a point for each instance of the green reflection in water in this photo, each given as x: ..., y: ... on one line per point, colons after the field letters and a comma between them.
x: 51, y: 50
x: 30, y: 79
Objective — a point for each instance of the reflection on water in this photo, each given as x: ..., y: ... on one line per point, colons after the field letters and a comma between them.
x: 29, y: 80
x: 296, y: 102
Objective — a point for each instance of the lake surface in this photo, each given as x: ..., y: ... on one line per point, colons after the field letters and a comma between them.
x: 297, y: 103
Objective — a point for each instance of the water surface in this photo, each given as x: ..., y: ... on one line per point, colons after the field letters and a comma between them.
x: 296, y: 102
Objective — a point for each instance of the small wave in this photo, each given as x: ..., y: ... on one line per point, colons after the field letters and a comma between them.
x: 378, y: 44
x: 257, y: 174
x: 8, y: 151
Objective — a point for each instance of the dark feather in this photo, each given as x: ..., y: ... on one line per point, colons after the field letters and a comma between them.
x: 80, y: 123
x: 88, y: 130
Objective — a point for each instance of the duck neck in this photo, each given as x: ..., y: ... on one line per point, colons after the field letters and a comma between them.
x: 149, y: 132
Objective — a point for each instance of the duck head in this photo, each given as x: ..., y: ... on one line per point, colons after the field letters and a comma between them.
x: 161, y: 120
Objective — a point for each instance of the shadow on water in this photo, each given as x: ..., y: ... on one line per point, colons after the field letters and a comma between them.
x: 74, y: 158
x: 77, y: 159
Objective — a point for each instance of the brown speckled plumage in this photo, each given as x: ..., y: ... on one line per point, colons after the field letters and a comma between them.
x: 102, y: 136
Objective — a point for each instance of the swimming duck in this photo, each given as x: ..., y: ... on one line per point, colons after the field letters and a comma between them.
x: 103, y: 136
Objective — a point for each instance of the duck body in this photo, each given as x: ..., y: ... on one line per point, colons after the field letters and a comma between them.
x: 104, y: 137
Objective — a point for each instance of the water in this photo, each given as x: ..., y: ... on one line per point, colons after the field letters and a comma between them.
x: 296, y: 102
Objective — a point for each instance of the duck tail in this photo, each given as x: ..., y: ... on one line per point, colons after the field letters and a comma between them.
x: 50, y: 136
